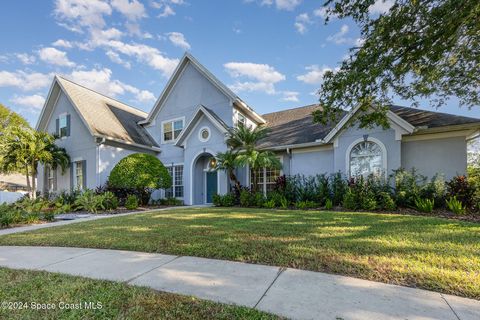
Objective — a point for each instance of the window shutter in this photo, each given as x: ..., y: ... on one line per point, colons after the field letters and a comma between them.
x: 55, y: 179
x: 84, y: 173
x: 72, y: 187
x: 68, y: 125
x: 57, y: 126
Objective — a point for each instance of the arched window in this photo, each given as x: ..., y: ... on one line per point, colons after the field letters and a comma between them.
x: 366, y: 158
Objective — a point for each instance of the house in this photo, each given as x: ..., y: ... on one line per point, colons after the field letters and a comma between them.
x: 188, y: 124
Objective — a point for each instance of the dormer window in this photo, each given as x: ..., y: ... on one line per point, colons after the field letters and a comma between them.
x: 63, y: 125
x: 171, y: 129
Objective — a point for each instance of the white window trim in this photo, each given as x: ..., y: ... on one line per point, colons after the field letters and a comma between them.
x: 370, y: 139
x: 264, y: 172
x: 200, y: 134
x: 75, y: 181
x: 173, y: 180
x: 162, y: 136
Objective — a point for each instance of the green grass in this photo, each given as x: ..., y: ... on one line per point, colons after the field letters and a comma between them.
x: 431, y: 253
x: 118, y: 300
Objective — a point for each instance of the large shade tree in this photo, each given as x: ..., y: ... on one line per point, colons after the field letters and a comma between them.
x: 23, y: 149
x: 419, y: 49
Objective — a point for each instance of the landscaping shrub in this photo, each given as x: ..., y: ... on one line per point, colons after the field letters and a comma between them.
x: 226, y: 200
x: 132, y: 202
x: 49, y: 215
x: 424, y: 205
x: 328, y: 204
x: 455, y: 206
x: 338, y: 187
x: 171, y: 201
x: 284, y: 203
x: 276, y: 198
x: 65, y: 197
x: 270, y: 204
x: 360, y: 194
x: 385, y: 201
x: 89, y: 201
x: 109, y: 201
x: 140, y: 171
x: 258, y: 199
x: 7, y: 215
x: 460, y: 188
x: 407, y: 186
x: 246, y: 199
x: 435, y: 189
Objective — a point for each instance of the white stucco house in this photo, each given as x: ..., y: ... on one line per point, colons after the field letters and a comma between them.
x: 189, y: 122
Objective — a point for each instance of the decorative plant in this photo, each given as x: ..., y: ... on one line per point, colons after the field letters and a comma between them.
x: 455, y: 206
x: 132, y: 202
x: 424, y: 205
x: 460, y: 188
x: 328, y: 204
x: 109, y: 201
x: 90, y: 202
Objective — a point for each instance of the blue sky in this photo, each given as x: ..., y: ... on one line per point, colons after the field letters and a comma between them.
x: 272, y: 53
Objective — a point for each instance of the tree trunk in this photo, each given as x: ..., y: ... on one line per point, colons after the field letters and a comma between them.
x: 254, y: 176
x: 234, y: 179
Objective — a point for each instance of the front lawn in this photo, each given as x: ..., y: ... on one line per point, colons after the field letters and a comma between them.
x: 24, y: 294
x: 425, y: 252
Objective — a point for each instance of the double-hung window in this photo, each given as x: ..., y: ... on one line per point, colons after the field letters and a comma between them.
x: 171, y: 129
x: 266, y: 178
x: 78, y: 175
x: 176, y: 191
x: 63, y: 125
x: 50, y: 179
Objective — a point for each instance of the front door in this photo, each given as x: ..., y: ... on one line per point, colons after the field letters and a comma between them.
x: 211, y: 185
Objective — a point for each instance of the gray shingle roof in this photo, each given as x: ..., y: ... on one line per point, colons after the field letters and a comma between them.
x: 419, y: 118
x: 295, y: 126
x: 106, y: 116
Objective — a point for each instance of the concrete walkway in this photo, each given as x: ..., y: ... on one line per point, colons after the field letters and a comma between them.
x: 90, y: 217
x: 288, y: 292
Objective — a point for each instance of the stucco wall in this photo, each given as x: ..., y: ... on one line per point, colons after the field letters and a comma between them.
x: 195, y: 150
x: 312, y: 162
x: 447, y: 156
x: 191, y: 90
x: 79, y: 145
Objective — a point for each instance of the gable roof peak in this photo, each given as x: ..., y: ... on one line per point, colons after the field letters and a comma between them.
x: 184, y: 61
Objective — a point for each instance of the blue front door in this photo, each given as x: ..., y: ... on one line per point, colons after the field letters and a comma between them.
x: 211, y: 185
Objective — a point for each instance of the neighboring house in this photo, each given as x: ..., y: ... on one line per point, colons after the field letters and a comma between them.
x: 189, y: 123
x: 13, y: 182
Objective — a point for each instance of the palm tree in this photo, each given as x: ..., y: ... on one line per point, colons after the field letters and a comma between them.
x: 243, y: 142
x: 227, y: 161
x: 23, y: 149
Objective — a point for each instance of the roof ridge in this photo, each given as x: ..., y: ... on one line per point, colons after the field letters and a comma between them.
x: 101, y: 94
x: 294, y: 108
x: 434, y: 112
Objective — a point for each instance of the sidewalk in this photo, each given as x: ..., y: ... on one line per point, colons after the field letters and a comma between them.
x: 89, y: 218
x: 291, y: 293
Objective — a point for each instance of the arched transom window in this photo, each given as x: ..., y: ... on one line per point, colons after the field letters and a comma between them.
x: 366, y: 158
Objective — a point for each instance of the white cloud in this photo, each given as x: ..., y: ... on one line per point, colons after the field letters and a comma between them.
x: 62, y: 43
x: 114, y: 57
x: 34, y: 101
x: 288, y: 5
x: 101, y: 80
x: 340, y: 36
x: 178, y: 40
x: 167, y: 11
x: 54, y: 56
x: 146, y: 54
x: 132, y: 10
x: 264, y: 76
x: 301, y: 22
x: 25, y: 58
x: 380, y: 7
x: 25, y: 81
x: 291, y: 96
x: 82, y: 13
x: 322, y: 13
x: 314, y: 74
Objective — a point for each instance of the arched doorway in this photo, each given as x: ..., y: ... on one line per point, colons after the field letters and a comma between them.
x: 204, y: 179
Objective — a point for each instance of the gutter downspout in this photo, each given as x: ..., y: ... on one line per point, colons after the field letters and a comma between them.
x: 289, y: 152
